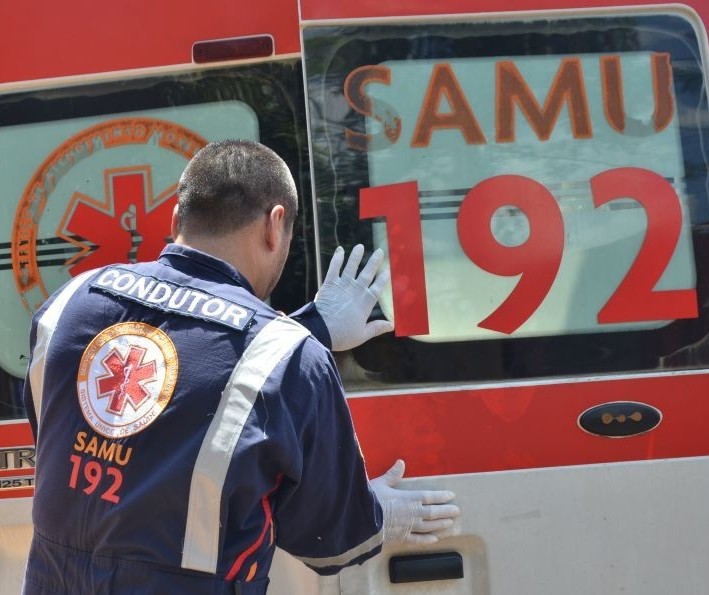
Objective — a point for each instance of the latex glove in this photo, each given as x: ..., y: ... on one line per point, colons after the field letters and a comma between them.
x: 412, y: 516
x: 345, y: 302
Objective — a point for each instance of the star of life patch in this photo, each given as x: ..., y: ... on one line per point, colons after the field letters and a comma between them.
x: 171, y: 297
x: 126, y: 378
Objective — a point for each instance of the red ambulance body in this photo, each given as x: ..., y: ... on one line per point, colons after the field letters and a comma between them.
x: 537, y: 173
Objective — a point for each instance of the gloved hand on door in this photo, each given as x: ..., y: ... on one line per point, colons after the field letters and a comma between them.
x: 412, y: 516
x: 346, y: 300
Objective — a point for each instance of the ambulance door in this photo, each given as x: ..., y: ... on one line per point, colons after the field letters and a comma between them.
x: 539, y: 185
x: 88, y: 177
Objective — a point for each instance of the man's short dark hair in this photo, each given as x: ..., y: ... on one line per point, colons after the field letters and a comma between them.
x: 228, y: 184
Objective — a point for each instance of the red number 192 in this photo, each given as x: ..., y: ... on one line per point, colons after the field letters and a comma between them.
x: 92, y: 476
x: 536, y: 261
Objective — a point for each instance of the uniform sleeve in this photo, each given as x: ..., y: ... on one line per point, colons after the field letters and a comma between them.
x: 331, y: 518
x: 29, y: 399
x: 310, y: 318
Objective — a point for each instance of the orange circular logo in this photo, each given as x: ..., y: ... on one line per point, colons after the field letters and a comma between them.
x: 126, y: 378
x: 128, y: 223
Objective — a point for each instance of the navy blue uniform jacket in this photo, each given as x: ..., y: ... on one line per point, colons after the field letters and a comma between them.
x: 184, y: 429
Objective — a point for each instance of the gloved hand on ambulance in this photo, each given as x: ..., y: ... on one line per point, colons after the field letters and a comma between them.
x: 345, y: 301
x: 412, y: 516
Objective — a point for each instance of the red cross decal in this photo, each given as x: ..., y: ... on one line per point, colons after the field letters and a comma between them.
x: 125, y: 379
x: 128, y: 225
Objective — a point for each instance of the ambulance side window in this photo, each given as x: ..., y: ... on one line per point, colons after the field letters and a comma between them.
x: 539, y: 189
x: 88, y: 177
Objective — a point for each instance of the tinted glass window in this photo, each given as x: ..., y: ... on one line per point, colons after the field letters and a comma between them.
x: 539, y: 187
x: 88, y: 177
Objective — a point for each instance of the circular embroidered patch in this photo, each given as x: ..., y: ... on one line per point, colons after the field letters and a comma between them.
x: 126, y: 378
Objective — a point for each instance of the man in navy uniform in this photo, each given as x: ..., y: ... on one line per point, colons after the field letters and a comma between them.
x: 184, y: 428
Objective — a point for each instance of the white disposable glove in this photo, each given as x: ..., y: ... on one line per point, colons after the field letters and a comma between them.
x: 412, y: 516
x: 345, y: 302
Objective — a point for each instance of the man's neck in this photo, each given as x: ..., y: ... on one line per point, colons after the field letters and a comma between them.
x: 239, y: 249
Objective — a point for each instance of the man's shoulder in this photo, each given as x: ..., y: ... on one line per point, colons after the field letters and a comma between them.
x: 69, y: 288
x: 285, y: 328
x: 304, y: 348
x: 316, y: 361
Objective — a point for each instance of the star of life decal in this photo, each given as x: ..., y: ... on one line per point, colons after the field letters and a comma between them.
x: 126, y: 378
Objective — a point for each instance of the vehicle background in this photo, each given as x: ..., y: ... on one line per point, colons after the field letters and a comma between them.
x: 547, y: 507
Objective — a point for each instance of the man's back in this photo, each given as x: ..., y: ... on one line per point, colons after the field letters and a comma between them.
x: 163, y: 464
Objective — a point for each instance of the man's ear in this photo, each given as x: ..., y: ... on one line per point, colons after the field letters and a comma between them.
x: 174, y: 224
x: 275, y: 227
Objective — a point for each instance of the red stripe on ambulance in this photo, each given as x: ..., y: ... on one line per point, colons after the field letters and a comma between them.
x: 527, y: 426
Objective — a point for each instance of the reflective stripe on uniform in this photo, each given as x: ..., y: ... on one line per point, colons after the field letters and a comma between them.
x: 46, y: 325
x: 272, y: 344
x: 346, y: 557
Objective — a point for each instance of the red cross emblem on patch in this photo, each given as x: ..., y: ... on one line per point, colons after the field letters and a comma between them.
x: 126, y: 378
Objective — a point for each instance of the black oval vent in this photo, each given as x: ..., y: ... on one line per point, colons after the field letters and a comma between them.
x: 620, y: 419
